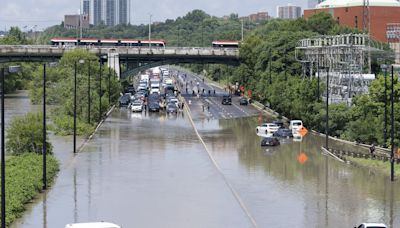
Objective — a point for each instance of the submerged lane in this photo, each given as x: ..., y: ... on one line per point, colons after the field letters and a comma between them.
x: 281, y: 190
x: 140, y: 171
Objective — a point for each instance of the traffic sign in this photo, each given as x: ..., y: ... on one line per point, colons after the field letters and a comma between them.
x: 303, y: 131
x: 302, y: 158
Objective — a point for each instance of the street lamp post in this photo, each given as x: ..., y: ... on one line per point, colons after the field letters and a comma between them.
x: 109, y: 83
x: 3, y: 182
x: 327, y: 111
x: 392, y: 129
x: 385, y: 128
x: 81, y: 61
x: 89, y: 92
x: 44, y: 152
x: 150, y: 32
x: 11, y: 69
x: 44, y: 129
x: 384, y: 67
x: 318, y: 92
x: 100, y: 91
x: 75, y: 66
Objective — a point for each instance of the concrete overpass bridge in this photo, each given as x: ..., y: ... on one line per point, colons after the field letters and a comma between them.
x: 135, y: 58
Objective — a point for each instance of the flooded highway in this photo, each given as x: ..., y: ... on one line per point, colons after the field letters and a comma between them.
x: 282, y: 190
x: 151, y: 170
x: 140, y: 171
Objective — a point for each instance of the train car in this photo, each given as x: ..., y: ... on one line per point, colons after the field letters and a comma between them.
x: 226, y: 44
x: 107, y: 42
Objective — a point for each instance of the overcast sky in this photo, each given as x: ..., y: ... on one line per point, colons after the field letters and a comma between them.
x: 44, y: 13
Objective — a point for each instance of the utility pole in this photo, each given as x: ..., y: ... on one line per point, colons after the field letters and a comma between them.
x: 3, y: 170
x: 242, y: 29
x: 80, y: 19
x: 150, y: 32
x: 392, y: 130
x: 385, y: 117
x: 44, y: 129
x: 327, y: 111
x: 318, y: 93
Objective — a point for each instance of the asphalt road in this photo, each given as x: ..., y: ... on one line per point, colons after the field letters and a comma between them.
x: 210, y: 103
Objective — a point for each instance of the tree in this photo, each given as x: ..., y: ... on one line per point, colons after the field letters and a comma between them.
x: 321, y: 23
x: 25, y: 135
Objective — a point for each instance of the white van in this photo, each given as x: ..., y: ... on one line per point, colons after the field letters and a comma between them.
x: 92, y: 225
x: 295, y: 125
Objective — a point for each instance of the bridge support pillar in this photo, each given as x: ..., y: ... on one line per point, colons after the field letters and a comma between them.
x: 113, y: 63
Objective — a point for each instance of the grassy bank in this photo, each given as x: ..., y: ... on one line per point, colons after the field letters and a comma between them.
x: 380, y: 166
x: 24, y: 181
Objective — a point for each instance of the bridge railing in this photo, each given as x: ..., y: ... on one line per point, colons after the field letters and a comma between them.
x: 202, y: 51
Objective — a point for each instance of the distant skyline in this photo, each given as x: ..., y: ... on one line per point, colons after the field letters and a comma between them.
x: 44, y: 13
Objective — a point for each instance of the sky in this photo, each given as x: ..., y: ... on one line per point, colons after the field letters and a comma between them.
x: 39, y: 14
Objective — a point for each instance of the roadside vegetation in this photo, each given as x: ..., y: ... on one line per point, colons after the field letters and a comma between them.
x: 17, y: 81
x: 24, y: 163
x: 269, y: 69
x: 60, y: 91
x: 380, y: 166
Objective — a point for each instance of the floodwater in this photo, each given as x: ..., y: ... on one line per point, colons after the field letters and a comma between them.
x: 144, y: 170
x: 282, y: 189
x: 17, y: 104
x: 140, y: 171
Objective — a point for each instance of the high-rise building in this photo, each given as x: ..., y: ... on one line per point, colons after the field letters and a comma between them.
x: 123, y: 9
x: 86, y: 7
x: 289, y: 12
x: 111, y: 12
x: 97, y: 12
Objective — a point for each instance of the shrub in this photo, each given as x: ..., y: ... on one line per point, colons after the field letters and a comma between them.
x: 64, y: 125
x: 24, y: 181
x: 25, y: 135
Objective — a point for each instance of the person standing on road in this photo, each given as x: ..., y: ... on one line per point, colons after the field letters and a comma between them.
x: 208, y: 107
x: 372, y: 150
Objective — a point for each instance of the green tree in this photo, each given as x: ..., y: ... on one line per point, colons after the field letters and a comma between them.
x: 25, y: 135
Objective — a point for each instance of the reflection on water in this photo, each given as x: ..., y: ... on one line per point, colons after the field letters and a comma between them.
x: 294, y: 180
x: 140, y: 171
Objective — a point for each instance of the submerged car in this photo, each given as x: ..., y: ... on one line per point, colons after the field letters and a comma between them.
x: 283, y: 132
x: 171, y: 108
x: 267, y: 128
x: 243, y: 101
x: 270, y: 141
x: 226, y: 100
x: 124, y: 100
x: 154, y: 107
x: 137, y: 106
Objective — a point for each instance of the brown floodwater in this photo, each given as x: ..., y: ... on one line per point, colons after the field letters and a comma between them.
x: 294, y: 184
x: 143, y: 170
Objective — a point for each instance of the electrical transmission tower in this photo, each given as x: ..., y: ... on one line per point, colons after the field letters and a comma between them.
x: 345, y: 58
x: 367, y: 28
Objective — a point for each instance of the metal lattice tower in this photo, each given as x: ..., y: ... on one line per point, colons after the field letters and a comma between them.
x: 367, y: 28
x: 344, y: 56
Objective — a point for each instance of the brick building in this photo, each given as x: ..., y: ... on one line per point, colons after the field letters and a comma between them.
x: 255, y: 17
x: 351, y: 13
x: 73, y: 22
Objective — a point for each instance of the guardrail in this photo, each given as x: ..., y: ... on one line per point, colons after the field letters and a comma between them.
x: 376, y: 156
